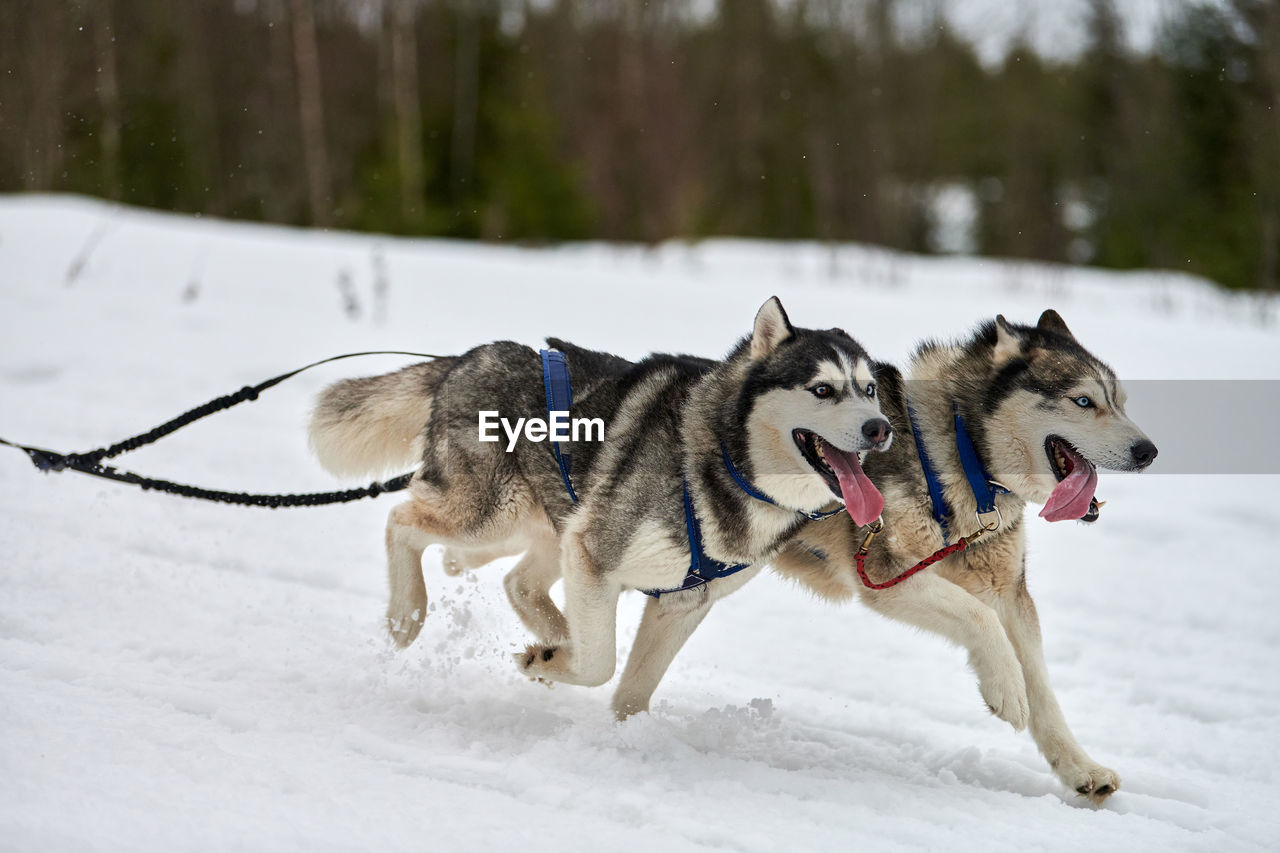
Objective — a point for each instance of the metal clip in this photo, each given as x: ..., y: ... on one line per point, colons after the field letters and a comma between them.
x: 872, y: 529
x: 986, y: 526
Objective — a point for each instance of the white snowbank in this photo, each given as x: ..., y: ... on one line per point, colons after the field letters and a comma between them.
x: 178, y: 675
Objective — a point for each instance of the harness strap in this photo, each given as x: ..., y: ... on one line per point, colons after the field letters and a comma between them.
x: 249, y: 392
x: 984, y: 494
x: 89, y: 462
x: 940, y: 508
x: 702, y: 567
x: 983, y: 487
x: 555, y: 380
x: 746, y: 486
x: 49, y: 461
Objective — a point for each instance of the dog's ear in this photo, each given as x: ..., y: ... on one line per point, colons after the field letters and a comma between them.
x: 771, y: 329
x: 1051, y: 321
x: 888, y: 383
x: 1008, y: 342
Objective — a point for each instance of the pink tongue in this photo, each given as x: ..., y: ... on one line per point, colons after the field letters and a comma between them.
x: 1070, y: 499
x: 862, y: 500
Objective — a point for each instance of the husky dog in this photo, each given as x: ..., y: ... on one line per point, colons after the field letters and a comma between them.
x: 1043, y: 414
x: 705, y: 470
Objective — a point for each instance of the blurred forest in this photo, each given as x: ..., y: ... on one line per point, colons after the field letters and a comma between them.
x: 641, y: 121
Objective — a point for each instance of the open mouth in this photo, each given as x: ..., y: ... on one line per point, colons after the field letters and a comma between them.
x: 842, y: 471
x: 814, y: 448
x: 1073, y: 498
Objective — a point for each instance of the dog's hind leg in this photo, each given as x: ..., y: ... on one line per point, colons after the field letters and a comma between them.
x: 665, y: 627
x: 408, y: 535
x: 941, y: 607
x: 528, y: 587
x: 411, y: 528
x: 1048, y: 726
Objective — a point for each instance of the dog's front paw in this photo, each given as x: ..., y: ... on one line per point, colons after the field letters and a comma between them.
x: 542, y: 662
x: 1087, y: 778
x: 1004, y: 690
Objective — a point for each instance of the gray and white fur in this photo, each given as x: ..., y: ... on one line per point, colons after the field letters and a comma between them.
x: 1033, y: 399
x: 784, y: 403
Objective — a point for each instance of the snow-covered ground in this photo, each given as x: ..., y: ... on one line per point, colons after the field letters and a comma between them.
x: 177, y: 675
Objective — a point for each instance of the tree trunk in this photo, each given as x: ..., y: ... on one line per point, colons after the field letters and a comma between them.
x: 466, y: 94
x: 45, y: 70
x: 311, y: 112
x: 404, y: 71
x: 108, y: 91
x: 1266, y: 112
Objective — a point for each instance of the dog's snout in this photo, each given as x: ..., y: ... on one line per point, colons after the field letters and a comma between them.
x: 1143, y: 453
x: 876, y: 430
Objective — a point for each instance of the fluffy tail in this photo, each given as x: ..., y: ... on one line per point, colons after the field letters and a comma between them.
x: 374, y: 426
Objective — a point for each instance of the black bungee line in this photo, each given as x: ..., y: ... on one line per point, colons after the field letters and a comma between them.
x: 91, y: 462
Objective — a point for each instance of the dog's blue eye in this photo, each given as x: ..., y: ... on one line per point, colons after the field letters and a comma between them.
x: 871, y: 390
x: 1083, y: 402
x: 822, y: 391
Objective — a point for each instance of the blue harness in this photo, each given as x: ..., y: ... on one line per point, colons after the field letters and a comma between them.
x: 555, y: 379
x: 702, y: 566
x: 745, y: 485
x: 984, y: 487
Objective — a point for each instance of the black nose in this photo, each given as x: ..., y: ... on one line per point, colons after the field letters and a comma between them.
x: 1143, y: 452
x: 876, y: 430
